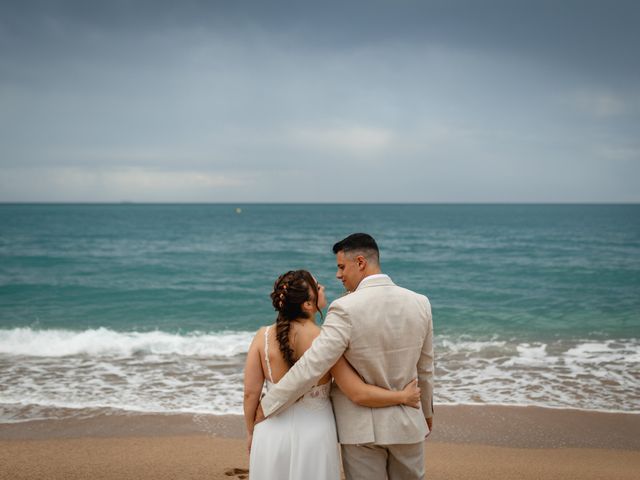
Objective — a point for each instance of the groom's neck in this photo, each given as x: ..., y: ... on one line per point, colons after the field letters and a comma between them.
x: 371, y: 270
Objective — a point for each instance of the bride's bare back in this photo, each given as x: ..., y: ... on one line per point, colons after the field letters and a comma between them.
x: 301, y: 336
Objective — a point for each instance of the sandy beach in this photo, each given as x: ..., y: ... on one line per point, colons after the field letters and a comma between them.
x: 468, y: 442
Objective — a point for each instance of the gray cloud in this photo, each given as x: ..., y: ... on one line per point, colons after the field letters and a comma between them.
x: 231, y: 101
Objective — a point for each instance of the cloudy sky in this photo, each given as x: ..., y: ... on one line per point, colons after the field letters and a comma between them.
x: 362, y: 101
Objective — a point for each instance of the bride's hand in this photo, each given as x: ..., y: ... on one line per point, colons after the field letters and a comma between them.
x: 412, y: 394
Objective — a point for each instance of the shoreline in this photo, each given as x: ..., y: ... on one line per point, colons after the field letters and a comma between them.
x: 475, y: 443
x: 491, y: 425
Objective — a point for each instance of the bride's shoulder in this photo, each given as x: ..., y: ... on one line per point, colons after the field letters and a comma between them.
x: 263, y: 328
x: 308, y: 329
x: 259, y: 336
x: 304, y: 335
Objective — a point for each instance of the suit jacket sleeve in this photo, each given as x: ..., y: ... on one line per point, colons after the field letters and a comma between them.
x: 426, y: 367
x: 324, y: 352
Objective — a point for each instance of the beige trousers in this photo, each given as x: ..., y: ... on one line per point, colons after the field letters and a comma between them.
x: 381, y: 462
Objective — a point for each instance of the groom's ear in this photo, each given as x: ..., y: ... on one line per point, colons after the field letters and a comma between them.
x: 361, y: 261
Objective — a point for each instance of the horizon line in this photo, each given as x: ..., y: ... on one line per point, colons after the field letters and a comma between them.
x: 127, y: 202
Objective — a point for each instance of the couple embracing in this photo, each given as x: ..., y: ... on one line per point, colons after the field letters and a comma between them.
x: 372, y: 359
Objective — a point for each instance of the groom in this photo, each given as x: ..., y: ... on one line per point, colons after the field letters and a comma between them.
x: 386, y: 333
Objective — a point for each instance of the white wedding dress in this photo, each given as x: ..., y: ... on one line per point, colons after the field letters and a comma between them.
x: 299, y: 443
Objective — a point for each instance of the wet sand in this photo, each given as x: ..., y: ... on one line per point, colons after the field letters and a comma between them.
x: 468, y: 442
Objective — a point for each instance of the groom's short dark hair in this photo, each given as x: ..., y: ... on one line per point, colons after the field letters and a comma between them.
x: 362, y: 243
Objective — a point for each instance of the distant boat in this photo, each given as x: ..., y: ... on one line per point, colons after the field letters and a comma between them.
x: 238, y: 210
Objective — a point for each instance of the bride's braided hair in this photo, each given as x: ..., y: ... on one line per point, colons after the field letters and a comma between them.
x: 290, y: 291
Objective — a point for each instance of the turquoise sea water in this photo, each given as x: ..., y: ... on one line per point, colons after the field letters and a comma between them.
x: 532, y: 304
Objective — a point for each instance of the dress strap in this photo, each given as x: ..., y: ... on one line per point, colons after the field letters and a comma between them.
x: 266, y: 352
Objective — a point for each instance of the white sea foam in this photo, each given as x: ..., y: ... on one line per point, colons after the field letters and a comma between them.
x: 573, y: 374
x: 468, y: 346
x: 531, y: 355
x: 102, y: 342
x: 45, y: 372
x: 603, y: 352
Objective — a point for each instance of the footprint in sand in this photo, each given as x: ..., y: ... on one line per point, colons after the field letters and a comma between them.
x: 241, y: 473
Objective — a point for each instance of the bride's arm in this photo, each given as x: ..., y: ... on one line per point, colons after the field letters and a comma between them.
x: 253, y: 381
x: 369, y: 395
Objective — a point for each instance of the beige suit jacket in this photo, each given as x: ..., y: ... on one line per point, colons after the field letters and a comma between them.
x: 386, y: 333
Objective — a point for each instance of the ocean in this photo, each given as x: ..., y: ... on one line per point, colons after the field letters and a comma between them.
x: 151, y: 307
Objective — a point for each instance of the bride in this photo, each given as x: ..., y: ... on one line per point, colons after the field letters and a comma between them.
x: 301, y: 441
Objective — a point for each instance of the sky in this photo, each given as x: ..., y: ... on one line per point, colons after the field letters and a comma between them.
x: 362, y: 101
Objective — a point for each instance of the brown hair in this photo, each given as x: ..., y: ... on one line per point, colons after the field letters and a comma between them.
x: 361, y: 243
x: 290, y: 291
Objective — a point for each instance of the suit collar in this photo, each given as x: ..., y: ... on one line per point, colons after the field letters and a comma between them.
x: 375, y: 281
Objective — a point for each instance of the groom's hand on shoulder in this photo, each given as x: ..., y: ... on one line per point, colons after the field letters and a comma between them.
x: 259, y: 415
